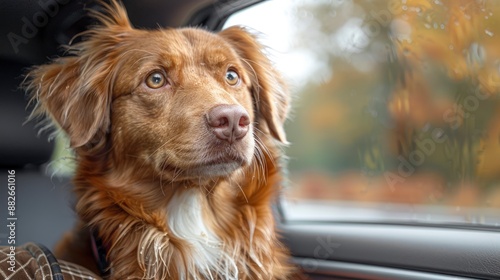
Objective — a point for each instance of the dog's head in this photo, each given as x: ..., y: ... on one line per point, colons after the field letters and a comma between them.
x: 185, y: 102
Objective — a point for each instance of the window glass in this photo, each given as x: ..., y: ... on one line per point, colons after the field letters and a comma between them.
x: 396, y: 112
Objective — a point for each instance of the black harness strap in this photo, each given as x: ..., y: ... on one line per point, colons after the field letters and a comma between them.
x: 99, y: 252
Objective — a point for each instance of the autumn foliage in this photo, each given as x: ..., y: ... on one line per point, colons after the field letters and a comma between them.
x: 407, y: 100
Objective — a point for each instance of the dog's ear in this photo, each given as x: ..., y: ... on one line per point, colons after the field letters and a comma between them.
x: 70, y: 99
x: 76, y: 91
x: 269, y: 91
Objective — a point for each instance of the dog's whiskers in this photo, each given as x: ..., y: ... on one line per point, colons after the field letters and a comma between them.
x: 131, y: 137
x: 234, y: 182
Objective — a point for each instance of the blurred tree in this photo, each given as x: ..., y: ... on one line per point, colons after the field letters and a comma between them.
x: 401, y: 86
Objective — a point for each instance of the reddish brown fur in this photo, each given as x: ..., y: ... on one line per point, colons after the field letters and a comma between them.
x: 137, y: 147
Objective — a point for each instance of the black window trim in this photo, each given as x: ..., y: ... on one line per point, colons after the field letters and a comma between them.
x: 215, y: 15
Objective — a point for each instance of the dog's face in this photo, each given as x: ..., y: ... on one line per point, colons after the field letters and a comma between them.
x: 182, y: 103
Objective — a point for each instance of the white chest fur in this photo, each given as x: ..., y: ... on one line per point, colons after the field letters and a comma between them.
x: 207, y: 257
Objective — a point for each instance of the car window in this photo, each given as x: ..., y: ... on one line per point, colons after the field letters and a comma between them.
x: 396, y: 112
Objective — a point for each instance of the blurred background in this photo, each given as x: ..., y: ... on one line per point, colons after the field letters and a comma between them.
x: 395, y: 102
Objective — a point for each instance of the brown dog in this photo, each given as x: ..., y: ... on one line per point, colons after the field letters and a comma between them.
x: 176, y: 134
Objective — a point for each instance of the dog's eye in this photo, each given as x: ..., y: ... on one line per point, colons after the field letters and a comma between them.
x: 232, y: 77
x: 156, y: 80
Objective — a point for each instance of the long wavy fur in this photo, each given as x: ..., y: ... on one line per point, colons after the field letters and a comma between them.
x: 126, y: 201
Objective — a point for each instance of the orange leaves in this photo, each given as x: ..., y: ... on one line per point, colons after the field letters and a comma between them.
x: 419, y: 5
x: 457, y: 34
x: 464, y: 21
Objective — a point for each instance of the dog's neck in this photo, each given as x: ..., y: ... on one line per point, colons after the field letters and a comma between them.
x: 222, y: 233
x: 188, y: 217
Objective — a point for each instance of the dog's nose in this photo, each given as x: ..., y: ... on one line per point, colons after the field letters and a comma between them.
x: 228, y: 122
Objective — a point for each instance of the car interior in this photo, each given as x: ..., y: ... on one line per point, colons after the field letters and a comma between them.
x: 334, y: 246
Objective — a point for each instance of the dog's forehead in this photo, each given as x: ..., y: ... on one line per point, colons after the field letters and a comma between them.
x: 193, y: 43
